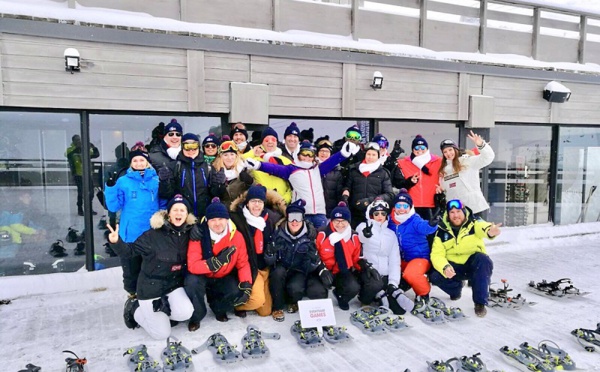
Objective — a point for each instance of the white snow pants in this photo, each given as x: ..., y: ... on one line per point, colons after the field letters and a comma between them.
x: 157, y: 323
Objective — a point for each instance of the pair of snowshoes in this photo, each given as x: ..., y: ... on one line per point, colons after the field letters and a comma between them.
x: 588, y: 338
x: 31, y: 368
x: 500, y: 298
x: 223, y: 351
x: 451, y: 313
x: 463, y: 364
x: 76, y: 364
x: 562, y: 288
x: 546, y: 357
x: 307, y: 338
x: 336, y: 334
x: 525, y: 361
x: 140, y: 361
x: 57, y: 249
x: 253, y: 344
x: 377, y: 320
x: 176, y: 357
x: 427, y: 313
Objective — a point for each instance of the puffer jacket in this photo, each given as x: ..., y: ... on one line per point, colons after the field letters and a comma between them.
x: 272, y: 182
x: 164, y: 255
x: 191, y: 178
x: 376, y: 184
x: 412, y: 236
x: 448, y: 247
x: 464, y: 185
x: 423, y: 191
x: 159, y: 158
x: 298, y: 253
x: 326, y: 250
x: 381, y: 249
x: 136, y: 196
x: 333, y: 184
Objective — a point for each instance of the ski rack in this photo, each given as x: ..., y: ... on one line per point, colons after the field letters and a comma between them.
x: 588, y: 338
x: 499, y: 298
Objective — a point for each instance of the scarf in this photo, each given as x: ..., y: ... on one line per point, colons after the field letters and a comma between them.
x: 268, y: 155
x: 367, y: 169
x: 258, y: 223
x: 173, y: 152
x: 345, y: 235
x: 242, y: 146
x: 401, y: 218
x: 421, y: 160
x: 209, y: 159
x: 217, y: 237
x: 335, y: 239
x: 304, y: 164
x: 231, y: 174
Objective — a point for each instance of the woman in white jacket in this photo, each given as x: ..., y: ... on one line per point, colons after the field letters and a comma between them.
x: 380, y: 249
x: 459, y: 173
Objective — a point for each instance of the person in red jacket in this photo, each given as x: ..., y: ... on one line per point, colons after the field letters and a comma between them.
x: 423, y: 167
x: 218, y: 262
x: 339, y: 248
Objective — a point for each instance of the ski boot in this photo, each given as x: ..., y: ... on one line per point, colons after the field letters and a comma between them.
x: 253, y: 345
x: 129, y: 309
x: 423, y: 311
x: 451, y: 313
x: 367, y: 322
x: 336, y: 335
x: 306, y: 337
x: 176, y: 357
x: 31, y: 368
x: 57, y: 249
x: 223, y: 351
x: 140, y: 361
x: 588, y: 338
x: 75, y: 364
x: 523, y: 359
x: 441, y: 366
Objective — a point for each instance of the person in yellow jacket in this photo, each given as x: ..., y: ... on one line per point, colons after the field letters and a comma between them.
x: 459, y: 253
x: 269, y: 152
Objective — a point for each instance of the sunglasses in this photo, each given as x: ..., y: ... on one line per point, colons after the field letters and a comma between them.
x: 191, y: 146
x: 227, y: 146
x: 355, y: 136
x: 176, y: 134
x: 402, y: 206
x: 454, y: 204
x: 270, y: 139
x: 380, y: 213
x: 339, y: 221
x: 210, y: 146
x: 310, y: 154
x: 420, y: 147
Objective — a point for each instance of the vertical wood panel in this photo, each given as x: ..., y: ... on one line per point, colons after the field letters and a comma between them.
x: 196, y: 87
x: 349, y: 90
x: 463, y: 96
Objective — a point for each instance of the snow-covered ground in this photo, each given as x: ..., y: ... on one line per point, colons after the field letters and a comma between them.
x: 82, y: 312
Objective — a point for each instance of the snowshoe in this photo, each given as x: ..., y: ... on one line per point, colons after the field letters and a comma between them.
x: 499, y: 298
x: 441, y: 366
x: 140, y: 361
x: 451, y: 313
x: 176, y: 357
x: 79, y: 249
x: 525, y: 361
x: 562, y: 288
x: 336, y: 335
x: 306, y: 337
x: 394, y: 323
x: 75, y: 364
x: 588, y: 338
x: 471, y: 364
x: 253, y: 345
x: 552, y: 354
x: 31, y: 368
x: 223, y: 351
x: 429, y: 315
x: 5, y: 302
x: 73, y: 236
x: 57, y: 249
x: 366, y: 319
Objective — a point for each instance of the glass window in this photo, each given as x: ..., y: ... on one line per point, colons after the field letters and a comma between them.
x: 38, y: 192
x: 434, y: 133
x: 518, y: 176
x: 578, y: 175
x: 335, y: 129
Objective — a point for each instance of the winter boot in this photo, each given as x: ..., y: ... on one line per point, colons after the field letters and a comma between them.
x: 73, y: 236
x: 57, y: 249
x: 130, y: 306
x: 80, y: 249
x: 102, y: 223
x: 480, y: 310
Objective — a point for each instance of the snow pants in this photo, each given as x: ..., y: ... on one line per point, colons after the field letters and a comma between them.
x: 220, y: 294
x: 260, y: 298
x: 346, y: 287
x: 369, y: 287
x: 478, y: 269
x: 413, y: 273
x: 157, y: 324
x: 289, y: 286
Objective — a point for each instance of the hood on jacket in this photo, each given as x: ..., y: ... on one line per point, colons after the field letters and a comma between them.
x: 158, y: 219
x: 468, y: 216
x: 273, y: 201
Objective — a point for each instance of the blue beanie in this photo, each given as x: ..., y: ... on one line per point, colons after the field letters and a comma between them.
x: 341, y: 211
x: 307, y: 146
x: 403, y: 197
x: 256, y: 192
x: 190, y: 137
x: 268, y: 131
x: 296, y: 207
x: 292, y: 129
x: 173, y: 126
x: 419, y: 140
x: 211, y: 138
x: 178, y: 199
x: 216, y: 209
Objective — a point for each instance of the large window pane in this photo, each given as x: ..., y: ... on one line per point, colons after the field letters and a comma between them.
x: 37, y: 192
x: 577, y: 199
x: 518, y: 189
x: 434, y: 133
x: 335, y: 129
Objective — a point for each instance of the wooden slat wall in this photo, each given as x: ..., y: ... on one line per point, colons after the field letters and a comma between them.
x: 314, y: 17
x: 520, y: 42
x: 407, y: 94
x: 517, y: 100
x: 157, y: 8
x: 446, y: 36
x: 582, y: 108
x: 389, y: 28
x: 219, y: 70
x: 300, y: 87
x: 553, y: 49
x: 116, y: 76
x: 240, y: 13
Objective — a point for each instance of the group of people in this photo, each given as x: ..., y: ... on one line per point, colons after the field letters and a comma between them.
x: 258, y: 228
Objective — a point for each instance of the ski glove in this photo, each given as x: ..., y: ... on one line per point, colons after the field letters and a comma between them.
x: 367, y: 269
x: 349, y: 149
x: 435, y: 219
x: 440, y: 200
x: 218, y: 178
x: 325, y: 275
x: 196, y: 233
x: 244, y: 295
x: 362, y: 204
x: 246, y: 178
x: 112, y: 179
x: 252, y: 164
x: 164, y: 173
x: 397, y: 149
x: 223, y: 258
x: 368, y: 230
x: 162, y: 304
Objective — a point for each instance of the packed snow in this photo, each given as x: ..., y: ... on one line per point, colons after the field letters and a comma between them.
x: 82, y: 312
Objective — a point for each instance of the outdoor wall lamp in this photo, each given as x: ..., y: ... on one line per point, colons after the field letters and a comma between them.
x: 72, y: 60
x: 377, y: 80
x: 556, y: 92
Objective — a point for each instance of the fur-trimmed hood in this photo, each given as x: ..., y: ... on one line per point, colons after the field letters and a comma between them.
x: 274, y: 202
x: 158, y: 219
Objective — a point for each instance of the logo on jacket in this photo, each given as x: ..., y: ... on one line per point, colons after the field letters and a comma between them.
x: 176, y: 267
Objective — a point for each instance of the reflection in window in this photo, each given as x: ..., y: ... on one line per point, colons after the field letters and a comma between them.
x: 434, y: 133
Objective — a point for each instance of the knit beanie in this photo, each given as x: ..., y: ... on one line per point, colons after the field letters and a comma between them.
x: 173, y: 126
x: 211, y: 138
x: 138, y: 150
x: 448, y: 143
x: 292, y: 129
x: 268, y: 131
x: 341, y: 211
x: 216, y: 209
x: 190, y: 137
x: 419, y: 140
x: 307, y: 134
x: 256, y: 192
x: 239, y: 128
x: 178, y: 199
x: 296, y: 207
x: 324, y: 142
x: 403, y: 197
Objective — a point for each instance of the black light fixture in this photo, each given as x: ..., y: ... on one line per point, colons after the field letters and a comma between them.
x: 556, y: 92
x: 72, y: 62
x: 377, y: 80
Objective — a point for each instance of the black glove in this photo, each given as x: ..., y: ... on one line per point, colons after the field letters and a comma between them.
x: 272, y: 249
x: 425, y: 170
x: 196, y: 233
x: 440, y: 200
x: 164, y: 173
x: 397, y: 149
x: 367, y: 269
x: 223, y: 258
x: 362, y: 204
x: 244, y: 295
x: 368, y: 230
x: 326, y: 276
x: 218, y: 178
x: 246, y: 178
x: 345, y: 198
x: 112, y: 179
x: 435, y: 219
x: 162, y: 304
x: 391, y: 289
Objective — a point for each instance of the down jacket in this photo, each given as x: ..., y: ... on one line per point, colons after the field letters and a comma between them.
x: 381, y: 250
x: 423, y: 191
x: 412, y: 236
x: 164, y: 255
x: 367, y: 188
x: 298, y: 253
x: 351, y: 249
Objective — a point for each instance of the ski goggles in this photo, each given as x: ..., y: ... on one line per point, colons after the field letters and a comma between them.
x: 295, y: 217
x: 171, y: 134
x: 353, y: 136
x: 402, y: 206
x: 324, y: 143
x: 383, y: 143
x: 190, y: 146
x: 420, y: 147
x: 454, y: 204
x: 228, y: 146
x: 309, y: 153
x: 372, y: 146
